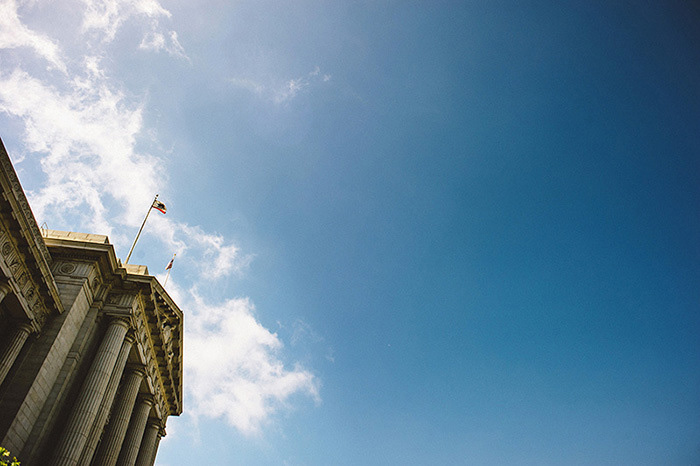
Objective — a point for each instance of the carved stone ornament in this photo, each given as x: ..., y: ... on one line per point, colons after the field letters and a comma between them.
x: 143, y: 337
x: 67, y: 268
x: 14, y: 266
x: 40, y: 318
x: 167, y: 332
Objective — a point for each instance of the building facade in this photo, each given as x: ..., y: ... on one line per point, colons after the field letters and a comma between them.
x: 90, y: 349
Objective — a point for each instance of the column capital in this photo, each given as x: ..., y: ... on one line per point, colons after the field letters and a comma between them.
x: 9, y: 353
x: 130, y: 337
x: 137, y: 369
x: 146, y: 398
x: 26, y: 327
x: 155, y: 422
x: 119, y: 320
x: 5, y: 288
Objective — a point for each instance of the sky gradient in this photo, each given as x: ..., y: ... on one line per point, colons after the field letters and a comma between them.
x: 408, y: 233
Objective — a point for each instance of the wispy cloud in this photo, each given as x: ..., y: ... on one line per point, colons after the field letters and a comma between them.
x: 15, y: 34
x: 84, y: 128
x: 286, y: 91
x: 217, y: 256
x: 157, y: 41
x: 107, y: 16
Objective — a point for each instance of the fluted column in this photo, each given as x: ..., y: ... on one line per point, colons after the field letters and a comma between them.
x: 5, y: 289
x: 15, y: 343
x: 107, y: 401
x: 149, y: 443
x: 111, y: 443
x: 134, y: 435
x: 82, y: 417
x: 161, y: 434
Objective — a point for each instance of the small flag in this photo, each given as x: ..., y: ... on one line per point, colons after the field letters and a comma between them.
x: 159, y: 206
x: 170, y: 264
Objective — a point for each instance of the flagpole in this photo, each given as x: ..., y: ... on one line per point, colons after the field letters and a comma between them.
x: 140, y: 229
x: 169, y: 269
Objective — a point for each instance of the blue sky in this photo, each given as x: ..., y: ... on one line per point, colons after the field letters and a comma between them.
x: 407, y: 232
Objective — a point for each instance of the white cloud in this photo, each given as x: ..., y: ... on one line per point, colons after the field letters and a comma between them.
x: 86, y: 135
x: 14, y: 34
x: 232, y: 368
x: 107, y: 16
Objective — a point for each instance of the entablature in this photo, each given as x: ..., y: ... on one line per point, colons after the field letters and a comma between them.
x: 25, y: 261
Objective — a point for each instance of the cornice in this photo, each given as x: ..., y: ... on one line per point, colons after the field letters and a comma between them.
x: 23, y: 247
x: 163, y: 321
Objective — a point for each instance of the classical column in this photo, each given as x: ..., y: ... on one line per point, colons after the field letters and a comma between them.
x: 5, y: 289
x: 84, y: 411
x: 15, y: 343
x: 103, y: 413
x: 149, y: 444
x: 134, y: 435
x: 161, y: 434
x: 113, y: 437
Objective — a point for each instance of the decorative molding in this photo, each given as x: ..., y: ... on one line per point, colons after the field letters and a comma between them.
x: 122, y: 300
x: 169, y: 325
x: 27, y: 242
x: 67, y: 268
x: 144, y: 340
x: 24, y: 286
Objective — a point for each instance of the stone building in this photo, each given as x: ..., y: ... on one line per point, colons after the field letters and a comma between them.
x: 90, y: 349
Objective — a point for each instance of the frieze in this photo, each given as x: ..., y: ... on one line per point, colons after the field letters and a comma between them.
x: 74, y: 269
x: 168, y: 324
x: 120, y: 299
x: 20, y: 273
x: 39, y: 316
x: 144, y: 339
